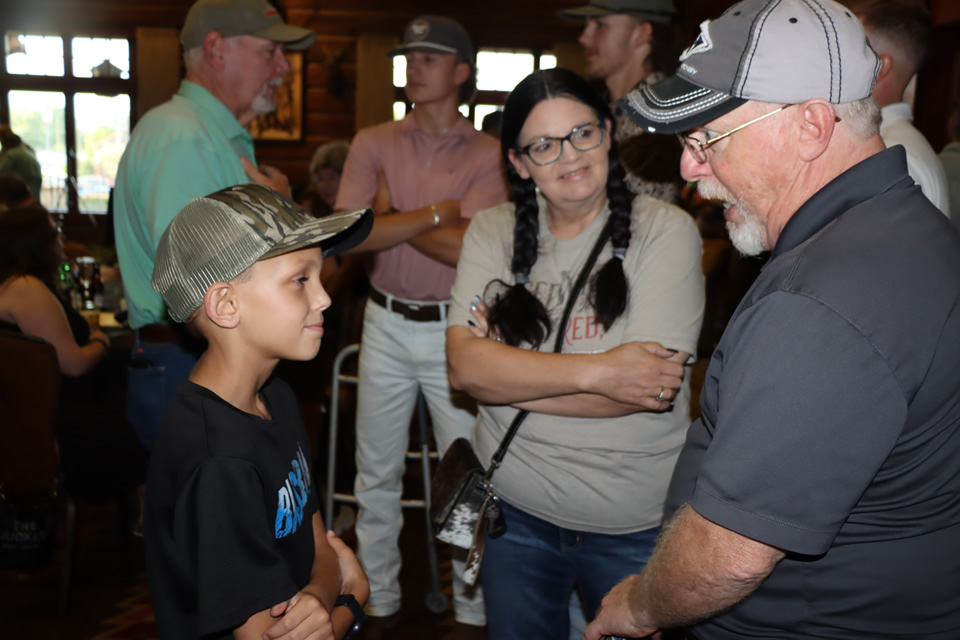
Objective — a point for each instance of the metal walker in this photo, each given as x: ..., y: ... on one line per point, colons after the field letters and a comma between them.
x: 436, y: 600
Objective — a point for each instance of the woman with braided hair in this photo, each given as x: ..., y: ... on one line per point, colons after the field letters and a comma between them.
x: 583, y: 483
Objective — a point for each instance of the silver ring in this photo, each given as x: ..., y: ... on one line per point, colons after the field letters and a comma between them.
x: 659, y: 397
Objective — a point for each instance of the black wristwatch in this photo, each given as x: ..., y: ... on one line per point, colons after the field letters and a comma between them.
x: 347, y: 600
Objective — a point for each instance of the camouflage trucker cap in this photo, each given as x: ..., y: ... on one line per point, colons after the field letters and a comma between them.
x: 217, y: 237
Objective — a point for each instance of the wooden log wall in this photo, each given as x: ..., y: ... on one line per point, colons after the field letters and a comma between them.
x: 331, y: 63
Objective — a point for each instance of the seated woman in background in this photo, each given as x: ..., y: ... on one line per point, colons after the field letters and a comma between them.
x: 99, y: 453
x: 583, y: 483
x: 325, y: 170
x: 30, y: 252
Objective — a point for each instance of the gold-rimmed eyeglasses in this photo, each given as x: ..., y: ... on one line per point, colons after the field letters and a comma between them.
x: 698, y: 148
x: 548, y: 149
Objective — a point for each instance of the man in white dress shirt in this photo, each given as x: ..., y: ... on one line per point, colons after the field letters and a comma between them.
x: 901, y: 32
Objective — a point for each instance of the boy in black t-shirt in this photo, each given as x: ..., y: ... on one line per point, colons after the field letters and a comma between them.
x: 235, y: 546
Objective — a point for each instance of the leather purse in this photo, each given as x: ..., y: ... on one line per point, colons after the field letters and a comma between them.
x: 464, y: 505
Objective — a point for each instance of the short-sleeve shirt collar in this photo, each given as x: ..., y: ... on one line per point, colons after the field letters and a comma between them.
x: 214, y: 110
x: 877, y: 174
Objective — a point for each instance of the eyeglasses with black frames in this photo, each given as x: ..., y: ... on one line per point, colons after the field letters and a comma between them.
x: 698, y: 148
x: 548, y: 149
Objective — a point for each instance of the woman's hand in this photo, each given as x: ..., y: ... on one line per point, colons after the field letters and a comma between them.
x: 644, y: 374
x: 479, y: 326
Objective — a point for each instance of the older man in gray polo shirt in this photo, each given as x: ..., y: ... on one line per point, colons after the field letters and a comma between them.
x: 818, y: 494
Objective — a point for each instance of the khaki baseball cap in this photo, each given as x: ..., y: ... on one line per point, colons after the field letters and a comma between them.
x: 661, y: 11
x: 781, y: 51
x: 241, y: 18
x: 217, y: 237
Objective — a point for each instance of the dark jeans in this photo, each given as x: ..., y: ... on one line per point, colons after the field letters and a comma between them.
x: 155, y: 372
x: 529, y: 573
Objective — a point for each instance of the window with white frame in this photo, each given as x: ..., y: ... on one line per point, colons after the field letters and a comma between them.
x: 498, y: 72
x: 70, y: 99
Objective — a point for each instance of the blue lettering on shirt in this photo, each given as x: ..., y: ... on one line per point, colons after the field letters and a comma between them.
x: 292, y: 497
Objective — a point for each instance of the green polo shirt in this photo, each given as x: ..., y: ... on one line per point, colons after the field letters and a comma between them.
x: 183, y: 149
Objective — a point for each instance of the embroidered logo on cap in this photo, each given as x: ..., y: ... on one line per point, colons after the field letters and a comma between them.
x: 418, y: 30
x: 702, y: 44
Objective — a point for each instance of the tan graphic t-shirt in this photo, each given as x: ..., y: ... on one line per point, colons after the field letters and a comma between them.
x: 605, y: 475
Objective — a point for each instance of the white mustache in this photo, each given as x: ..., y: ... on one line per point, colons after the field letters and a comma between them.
x: 713, y: 190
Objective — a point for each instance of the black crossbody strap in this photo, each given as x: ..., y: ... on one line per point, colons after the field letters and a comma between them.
x: 558, y: 345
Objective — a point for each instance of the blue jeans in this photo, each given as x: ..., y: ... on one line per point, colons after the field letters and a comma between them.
x: 154, y: 373
x: 529, y: 573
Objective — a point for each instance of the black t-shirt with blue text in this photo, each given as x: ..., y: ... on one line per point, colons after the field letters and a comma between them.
x: 228, y: 511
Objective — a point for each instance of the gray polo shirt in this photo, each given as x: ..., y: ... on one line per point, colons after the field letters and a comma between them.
x: 831, y: 419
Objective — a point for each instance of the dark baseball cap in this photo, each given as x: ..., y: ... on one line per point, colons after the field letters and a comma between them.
x: 780, y: 51
x: 230, y: 18
x: 217, y: 237
x: 662, y: 11
x: 437, y: 33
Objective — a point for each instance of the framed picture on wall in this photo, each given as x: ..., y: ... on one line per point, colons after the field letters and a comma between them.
x: 285, y: 123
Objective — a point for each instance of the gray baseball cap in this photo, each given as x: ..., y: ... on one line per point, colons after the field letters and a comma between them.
x: 217, y: 237
x: 437, y: 33
x: 783, y: 51
x: 241, y: 18
x: 662, y: 11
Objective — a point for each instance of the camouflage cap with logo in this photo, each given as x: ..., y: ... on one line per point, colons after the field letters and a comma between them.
x: 217, y: 237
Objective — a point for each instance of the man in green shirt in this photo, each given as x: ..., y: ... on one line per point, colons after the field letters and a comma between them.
x: 191, y: 146
x: 18, y: 157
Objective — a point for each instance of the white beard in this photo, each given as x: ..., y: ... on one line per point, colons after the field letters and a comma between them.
x: 262, y: 104
x: 749, y: 235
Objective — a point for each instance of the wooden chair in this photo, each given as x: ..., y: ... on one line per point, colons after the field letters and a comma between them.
x: 29, y: 387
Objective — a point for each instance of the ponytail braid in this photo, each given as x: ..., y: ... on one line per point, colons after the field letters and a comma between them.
x: 518, y: 315
x: 609, y: 290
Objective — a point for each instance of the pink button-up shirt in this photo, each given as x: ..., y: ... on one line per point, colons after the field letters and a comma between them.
x: 462, y: 164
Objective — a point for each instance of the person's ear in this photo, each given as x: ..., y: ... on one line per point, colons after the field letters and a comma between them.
x: 642, y: 33
x: 607, y: 141
x: 213, y: 50
x: 518, y: 164
x: 886, y: 69
x: 462, y: 72
x: 221, y: 305
x: 816, y: 128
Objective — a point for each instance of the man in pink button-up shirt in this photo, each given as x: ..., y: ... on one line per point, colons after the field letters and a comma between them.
x: 425, y: 176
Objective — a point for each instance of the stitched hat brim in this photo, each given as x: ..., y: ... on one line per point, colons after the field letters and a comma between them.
x: 334, y: 233
x: 675, y: 105
x: 399, y: 51
x: 588, y: 11
x: 591, y: 11
x: 293, y: 38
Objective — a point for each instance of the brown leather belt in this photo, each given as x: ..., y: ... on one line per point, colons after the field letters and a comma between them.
x: 420, y: 312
